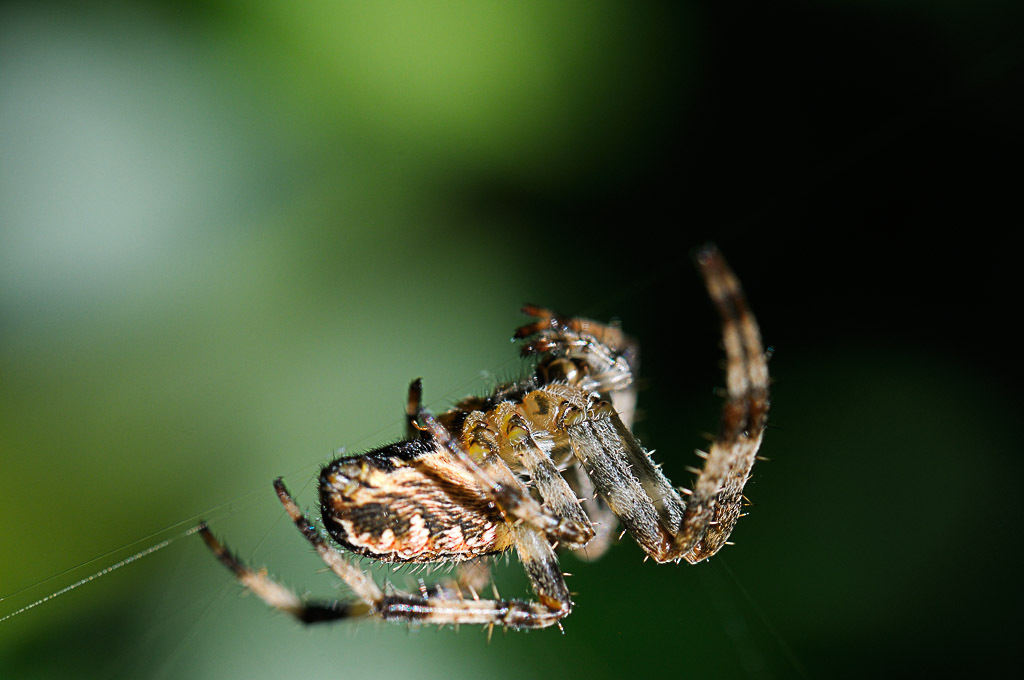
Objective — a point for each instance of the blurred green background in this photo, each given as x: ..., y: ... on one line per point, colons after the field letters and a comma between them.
x: 231, y: 233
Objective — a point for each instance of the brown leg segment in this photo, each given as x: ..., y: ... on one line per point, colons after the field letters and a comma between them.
x: 610, y: 357
x: 603, y: 519
x: 633, y: 486
x: 278, y: 596
x: 413, y: 404
x: 538, y: 559
x: 717, y: 499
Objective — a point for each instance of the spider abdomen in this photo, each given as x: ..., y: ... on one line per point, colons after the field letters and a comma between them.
x: 409, y: 502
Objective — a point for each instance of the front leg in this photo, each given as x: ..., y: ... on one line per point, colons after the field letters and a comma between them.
x: 717, y: 499
x: 593, y: 356
x: 665, y: 526
x: 628, y: 481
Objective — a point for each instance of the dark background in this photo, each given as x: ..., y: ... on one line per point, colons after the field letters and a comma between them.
x: 230, y: 233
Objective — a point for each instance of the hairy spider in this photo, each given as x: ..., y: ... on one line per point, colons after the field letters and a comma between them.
x: 544, y: 463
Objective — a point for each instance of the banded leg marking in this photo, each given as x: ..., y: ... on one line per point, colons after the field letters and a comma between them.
x: 665, y: 526
x: 277, y: 595
x: 717, y: 499
x: 537, y: 555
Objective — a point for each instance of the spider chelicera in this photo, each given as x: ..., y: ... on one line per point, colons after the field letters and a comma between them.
x: 545, y: 463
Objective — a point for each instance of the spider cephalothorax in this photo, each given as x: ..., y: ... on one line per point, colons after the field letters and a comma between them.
x: 544, y: 463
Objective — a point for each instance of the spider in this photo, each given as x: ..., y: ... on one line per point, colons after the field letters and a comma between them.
x: 543, y: 463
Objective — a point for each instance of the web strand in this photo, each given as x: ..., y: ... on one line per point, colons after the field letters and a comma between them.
x: 102, y: 572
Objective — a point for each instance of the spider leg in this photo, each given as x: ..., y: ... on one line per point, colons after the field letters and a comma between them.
x: 503, y: 488
x: 634, y: 487
x: 623, y: 473
x: 555, y: 328
x: 716, y: 502
x: 608, y: 369
x: 608, y: 357
x: 473, y: 575
x: 536, y: 554
x: 515, y: 437
x: 470, y: 576
x: 278, y: 596
x: 412, y: 409
x: 541, y: 565
x: 530, y: 447
x: 526, y: 446
x: 604, y: 520
x: 553, y: 600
